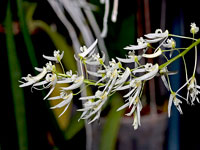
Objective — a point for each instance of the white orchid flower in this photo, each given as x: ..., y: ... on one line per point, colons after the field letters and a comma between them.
x: 170, y: 43
x: 76, y: 84
x: 141, y: 45
x: 86, y: 51
x: 49, y: 67
x: 163, y: 73
x: 131, y: 58
x: 33, y: 79
x: 151, y: 73
x: 67, y: 98
x: 156, y: 54
x: 194, y: 29
x: 110, y: 72
x: 95, y: 59
x: 92, y: 107
x: 70, y: 79
x: 135, y: 110
x: 176, y: 102
x: 57, y: 56
x: 136, y: 121
x: 51, y: 79
x: 157, y: 35
x: 193, y: 90
x: 122, y: 79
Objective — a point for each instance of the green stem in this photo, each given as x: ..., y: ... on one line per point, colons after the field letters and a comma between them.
x: 183, y: 37
x: 180, y: 55
x: 93, y: 83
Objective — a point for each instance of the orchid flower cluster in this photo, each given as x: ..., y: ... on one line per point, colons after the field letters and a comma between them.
x: 115, y: 77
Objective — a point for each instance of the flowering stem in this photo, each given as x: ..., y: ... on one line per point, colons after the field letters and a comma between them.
x: 180, y: 55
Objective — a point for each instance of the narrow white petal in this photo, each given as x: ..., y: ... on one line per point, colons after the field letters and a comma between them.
x: 27, y: 83
x: 82, y: 115
x: 94, y: 74
x: 64, y: 111
x: 124, y: 77
x: 67, y: 80
x: 156, y: 54
x: 85, y: 53
x: 50, y: 58
x: 133, y: 99
x: 112, y: 84
x: 149, y: 75
x: 51, y: 90
x: 62, y: 54
x: 126, y: 60
x: 38, y: 69
x: 88, y: 97
x: 165, y: 82
x: 96, y: 117
x: 75, y: 85
x: 151, y: 35
x: 107, y: 84
x: 123, y: 88
x: 154, y: 40
x: 101, y: 71
x: 54, y: 98
x: 132, y: 111
x: 40, y: 75
x: 170, y: 104
x: 93, y: 112
x: 123, y: 106
x: 139, y: 70
x: 138, y: 113
x: 40, y: 83
x: 64, y: 102
x: 101, y: 80
x: 130, y: 92
x: 136, y: 47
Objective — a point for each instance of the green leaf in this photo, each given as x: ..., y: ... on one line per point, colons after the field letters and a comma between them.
x: 15, y: 75
x: 112, y: 124
x: 25, y: 32
x: 74, y: 127
x: 58, y: 40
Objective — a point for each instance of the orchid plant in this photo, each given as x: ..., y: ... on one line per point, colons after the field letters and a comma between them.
x: 115, y: 77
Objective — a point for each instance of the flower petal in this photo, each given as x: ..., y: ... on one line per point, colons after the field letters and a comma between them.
x: 124, y: 77
x: 85, y: 53
x: 126, y: 60
x: 136, y: 47
x: 77, y: 83
x: 64, y: 102
x: 149, y: 75
x: 156, y: 54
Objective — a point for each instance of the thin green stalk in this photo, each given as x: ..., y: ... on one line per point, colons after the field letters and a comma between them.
x: 25, y: 32
x: 183, y: 37
x: 15, y: 74
x: 180, y: 55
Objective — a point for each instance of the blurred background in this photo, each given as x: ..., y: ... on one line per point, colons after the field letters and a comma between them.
x: 31, y: 28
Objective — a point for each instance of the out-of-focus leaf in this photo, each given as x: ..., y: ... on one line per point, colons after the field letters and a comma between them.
x: 17, y: 93
x: 58, y: 40
x: 111, y: 126
x: 25, y: 32
x: 74, y: 127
